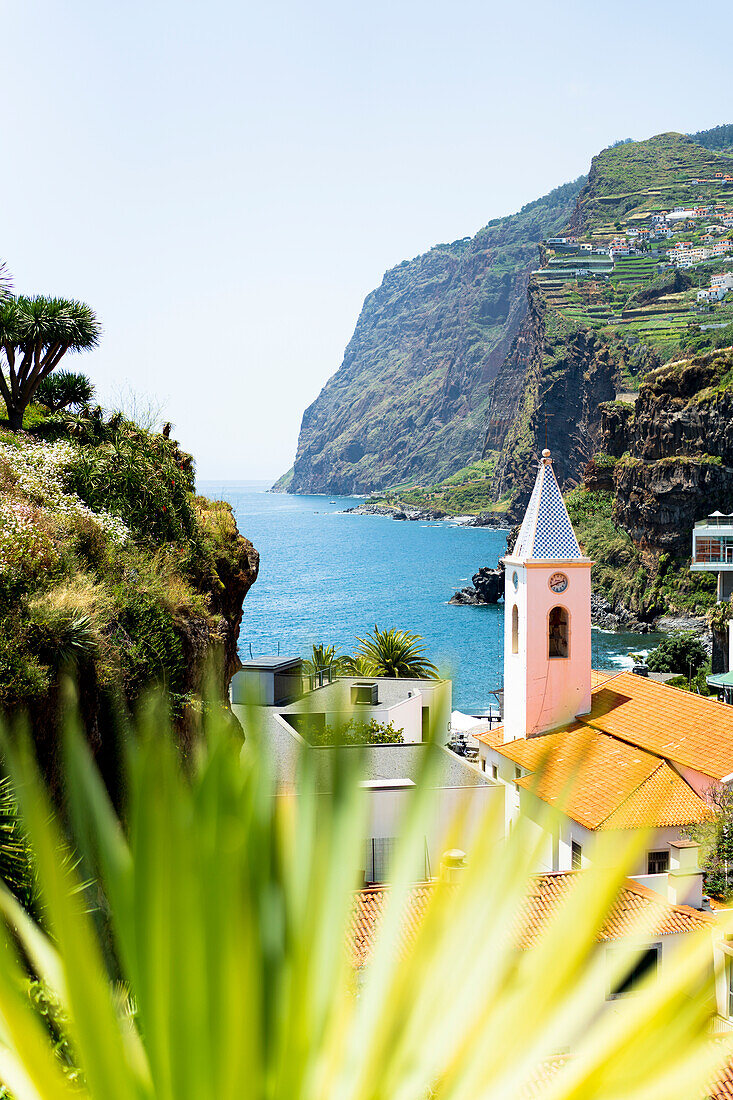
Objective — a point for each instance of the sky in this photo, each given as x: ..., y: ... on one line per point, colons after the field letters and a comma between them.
x: 225, y: 182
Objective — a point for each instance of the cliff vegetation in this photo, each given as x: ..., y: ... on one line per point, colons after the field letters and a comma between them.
x: 111, y: 569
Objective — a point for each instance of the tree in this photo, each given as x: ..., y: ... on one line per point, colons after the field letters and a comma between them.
x: 396, y: 654
x: 326, y: 656
x: 35, y: 334
x: 715, y: 837
x: 681, y: 652
x: 65, y: 389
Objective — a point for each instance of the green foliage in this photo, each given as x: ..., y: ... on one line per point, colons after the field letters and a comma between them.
x: 466, y: 492
x: 65, y: 389
x: 229, y: 910
x: 720, y: 137
x: 395, y: 654
x: 355, y: 732
x: 139, y: 482
x: 35, y: 334
x: 716, y: 840
x: 680, y: 652
x: 16, y: 858
x: 325, y: 656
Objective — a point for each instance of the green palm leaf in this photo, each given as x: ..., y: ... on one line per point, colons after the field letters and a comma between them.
x: 230, y: 909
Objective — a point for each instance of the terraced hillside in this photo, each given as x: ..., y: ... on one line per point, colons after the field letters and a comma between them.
x: 597, y: 324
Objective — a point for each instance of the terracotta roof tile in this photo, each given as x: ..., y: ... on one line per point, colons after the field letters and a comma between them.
x: 637, y: 910
x: 689, y: 729
x: 609, y: 768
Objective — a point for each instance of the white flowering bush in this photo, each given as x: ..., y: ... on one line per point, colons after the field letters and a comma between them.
x: 36, y: 473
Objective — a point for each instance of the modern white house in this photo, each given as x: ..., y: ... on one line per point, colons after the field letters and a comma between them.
x: 584, y: 753
x: 294, y: 710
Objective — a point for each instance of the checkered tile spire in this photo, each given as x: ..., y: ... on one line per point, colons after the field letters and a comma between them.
x: 546, y: 533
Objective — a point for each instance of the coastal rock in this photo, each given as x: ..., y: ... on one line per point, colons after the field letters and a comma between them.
x: 488, y: 588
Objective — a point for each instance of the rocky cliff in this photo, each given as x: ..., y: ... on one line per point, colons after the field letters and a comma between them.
x: 547, y: 392
x: 674, y: 449
x: 410, y: 398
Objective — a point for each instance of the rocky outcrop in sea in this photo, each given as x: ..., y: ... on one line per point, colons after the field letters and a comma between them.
x: 488, y: 588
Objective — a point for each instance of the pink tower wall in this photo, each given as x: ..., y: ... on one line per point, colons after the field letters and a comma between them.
x: 541, y: 692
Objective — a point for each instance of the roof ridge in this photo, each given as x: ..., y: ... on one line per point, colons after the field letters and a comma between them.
x: 662, y: 763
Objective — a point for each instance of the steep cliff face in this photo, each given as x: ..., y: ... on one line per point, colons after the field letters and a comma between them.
x: 547, y: 393
x: 677, y: 451
x: 409, y: 400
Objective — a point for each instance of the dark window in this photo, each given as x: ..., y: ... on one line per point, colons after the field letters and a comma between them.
x: 559, y: 632
x: 483, y: 763
x: 494, y: 771
x: 426, y: 723
x: 645, y: 966
x: 657, y: 862
x: 517, y: 773
x: 515, y: 629
x: 576, y: 855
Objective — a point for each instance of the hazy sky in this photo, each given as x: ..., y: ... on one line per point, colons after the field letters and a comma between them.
x: 225, y: 182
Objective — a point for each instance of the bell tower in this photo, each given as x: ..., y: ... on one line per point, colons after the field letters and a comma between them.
x: 547, y: 639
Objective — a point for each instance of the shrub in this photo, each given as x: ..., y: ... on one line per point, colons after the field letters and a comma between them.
x: 680, y: 652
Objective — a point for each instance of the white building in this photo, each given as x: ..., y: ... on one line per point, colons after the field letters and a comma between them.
x: 292, y: 712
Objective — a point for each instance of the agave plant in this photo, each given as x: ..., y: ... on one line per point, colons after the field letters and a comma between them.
x: 394, y: 653
x: 229, y: 911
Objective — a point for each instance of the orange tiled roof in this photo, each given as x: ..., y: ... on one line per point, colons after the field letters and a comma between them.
x: 609, y: 768
x: 636, y: 911
x: 723, y: 1088
x: 603, y: 783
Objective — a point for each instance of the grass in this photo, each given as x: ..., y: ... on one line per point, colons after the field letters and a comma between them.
x: 466, y: 492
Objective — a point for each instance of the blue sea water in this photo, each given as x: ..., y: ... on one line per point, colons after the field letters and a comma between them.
x: 327, y: 577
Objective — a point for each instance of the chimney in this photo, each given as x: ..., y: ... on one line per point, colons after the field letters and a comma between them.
x: 684, y: 881
x: 452, y: 865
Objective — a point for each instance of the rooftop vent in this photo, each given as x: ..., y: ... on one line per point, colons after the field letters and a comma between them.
x: 364, y: 693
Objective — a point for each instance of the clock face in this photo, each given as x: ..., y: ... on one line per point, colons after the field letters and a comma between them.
x: 515, y: 580
x: 558, y: 582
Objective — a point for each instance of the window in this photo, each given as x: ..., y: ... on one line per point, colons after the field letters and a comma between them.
x: 576, y: 855
x: 483, y: 763
x: 517, y: 773
x: 378, y: 855
x: 657, y: 862
x: 559, y: 632
x: 515, y: 629
x: 494, y: 771
x: 643, y: 967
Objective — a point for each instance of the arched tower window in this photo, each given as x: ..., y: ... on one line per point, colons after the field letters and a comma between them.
x: 559, y: 632
x: 515, y: 629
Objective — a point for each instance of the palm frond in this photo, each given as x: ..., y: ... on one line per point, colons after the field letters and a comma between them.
x: 231, y: 909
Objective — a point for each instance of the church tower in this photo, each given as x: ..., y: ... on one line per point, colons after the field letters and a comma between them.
x: 547, y: 641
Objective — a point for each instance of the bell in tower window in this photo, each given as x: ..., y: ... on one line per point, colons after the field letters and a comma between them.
x: 559, y: 632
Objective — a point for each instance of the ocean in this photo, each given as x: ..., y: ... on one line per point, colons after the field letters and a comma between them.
x: 326, y: 577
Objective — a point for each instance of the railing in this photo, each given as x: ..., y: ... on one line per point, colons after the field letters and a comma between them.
x: 712, y: 559
x: 716, y: 521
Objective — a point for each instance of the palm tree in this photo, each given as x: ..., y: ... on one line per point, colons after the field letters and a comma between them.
x: 325, y: 656
x: 65, y: 389
x: 395, y: 654
x: 229, y: 911
x: 35, y: 334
